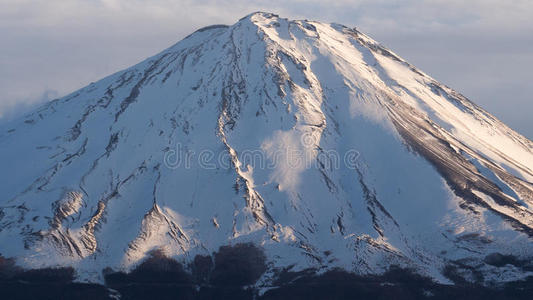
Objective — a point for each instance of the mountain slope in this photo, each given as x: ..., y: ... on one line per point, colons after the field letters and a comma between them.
x: 309, y: 139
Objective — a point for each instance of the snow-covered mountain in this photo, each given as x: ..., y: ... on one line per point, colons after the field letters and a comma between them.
x: 309, y: 139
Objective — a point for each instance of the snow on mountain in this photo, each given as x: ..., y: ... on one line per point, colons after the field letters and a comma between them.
x: 309, y: 139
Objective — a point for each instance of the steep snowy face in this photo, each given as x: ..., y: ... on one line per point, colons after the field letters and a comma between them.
x: 309, y: 139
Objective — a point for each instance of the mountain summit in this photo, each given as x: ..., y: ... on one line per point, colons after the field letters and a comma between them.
x: 310, y: 140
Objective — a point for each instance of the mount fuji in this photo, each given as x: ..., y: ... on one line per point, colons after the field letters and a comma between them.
x: 309, y: 140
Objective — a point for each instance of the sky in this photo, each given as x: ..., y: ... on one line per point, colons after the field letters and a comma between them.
x: 481, y: 48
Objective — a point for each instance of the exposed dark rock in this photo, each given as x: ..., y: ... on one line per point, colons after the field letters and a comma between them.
x: 160, y: 277
x: 397, y: 283
x: 500, y: 260
x: 239, y: 265
x: 201, y: 267
x: 49, y: 283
